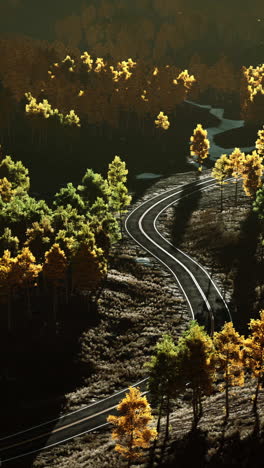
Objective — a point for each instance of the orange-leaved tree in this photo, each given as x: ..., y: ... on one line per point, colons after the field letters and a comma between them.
x: 254, y: 353
x: 229, y: 358
x: 132, y: 430
x: 200, y: 145
x: 55, y: 272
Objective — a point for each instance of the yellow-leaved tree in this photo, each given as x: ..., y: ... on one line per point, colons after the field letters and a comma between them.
x: 260, y: 142
x: 236, y: 161
x: 132, y: 430
x: 27, y: 271
x: 8, y: 279
x: 89, y: 267
x: 252, y: 173
x: 162, y: 121
x: 229, y: 358
x: 221, y: 171
x: 254, y: 353
x: 199, y: 146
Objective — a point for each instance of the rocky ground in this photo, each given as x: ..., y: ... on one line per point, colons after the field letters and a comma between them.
x: 140, y: 302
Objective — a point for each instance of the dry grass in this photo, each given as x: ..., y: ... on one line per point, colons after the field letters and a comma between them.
x: 138, y: 305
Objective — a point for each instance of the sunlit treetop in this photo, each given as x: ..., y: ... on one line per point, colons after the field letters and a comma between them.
x: 162, y: 121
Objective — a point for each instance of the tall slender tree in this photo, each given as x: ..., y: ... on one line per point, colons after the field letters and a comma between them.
x: 132, y: 431
x: 254, y: 353
x: 199, y: 146
x: 196, y: 357
x: 236, y: 161
x: 229, y: 358
x: 222, y: 171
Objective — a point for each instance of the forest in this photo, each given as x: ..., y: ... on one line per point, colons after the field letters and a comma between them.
x: 85, y: 111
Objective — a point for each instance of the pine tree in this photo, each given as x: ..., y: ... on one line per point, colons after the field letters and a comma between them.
x: 199, y: 146
x: 254, y: 353
x: 229, y: 360
x: 236, y: 161
x: 196, y: 359
x: 221, y: 172
x: 132, y: 430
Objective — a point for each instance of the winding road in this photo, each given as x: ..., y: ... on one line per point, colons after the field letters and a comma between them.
x: 204, y: 299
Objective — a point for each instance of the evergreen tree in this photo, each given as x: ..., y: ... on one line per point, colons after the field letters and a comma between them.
x: 132, y: 430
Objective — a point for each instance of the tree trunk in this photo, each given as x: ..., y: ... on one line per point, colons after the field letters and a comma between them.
x: 9, y: 318
x: 159, y: 415
x: 221, y: 198
x: 227, y: 395
x: 255, y: 401
x: 167, y: 418
x: 54, y: 305
x: 236, y: 192
x: 29, y: 313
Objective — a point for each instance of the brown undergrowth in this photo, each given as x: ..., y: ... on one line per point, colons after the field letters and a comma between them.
x: 140, y: 302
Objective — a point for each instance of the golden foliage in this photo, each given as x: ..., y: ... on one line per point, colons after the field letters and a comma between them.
x: 6, y: 192
x: 252, y: 173
x: 162, y: 121
x: 199, y: 145
x: 132, y: 429
x: 229, y: 358
x: 260, y: 142
x: 55, y: 265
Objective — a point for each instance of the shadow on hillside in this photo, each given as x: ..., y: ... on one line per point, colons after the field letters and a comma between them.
x: 38, y: 367
x: 241, y: 258
x: 182, y: 212
x: 192, y: 451
x: 247, y: 273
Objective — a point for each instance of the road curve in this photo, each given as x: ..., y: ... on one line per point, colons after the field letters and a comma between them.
x: 203, y: 297
x: 205, y: 301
